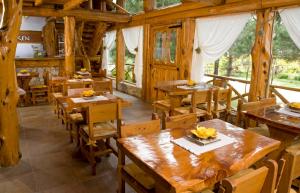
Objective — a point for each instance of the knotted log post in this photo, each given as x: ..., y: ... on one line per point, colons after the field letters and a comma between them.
x: 69, y: 46
x: 262, y: 55
x: 9, y: 124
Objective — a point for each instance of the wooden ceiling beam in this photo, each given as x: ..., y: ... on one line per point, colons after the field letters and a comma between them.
x: 71, y: 4
x: 38, y: 2
x: 209, y: 2
x: 80, y: 14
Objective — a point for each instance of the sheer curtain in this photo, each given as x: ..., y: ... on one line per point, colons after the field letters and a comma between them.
x: 108, y: 42
x: 291, y: 20
x: 133, y: 38
x: 213, y: 37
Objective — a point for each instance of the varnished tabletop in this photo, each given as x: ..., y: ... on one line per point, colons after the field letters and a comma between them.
x: 275, y: 119
x: 178, y: 170
x: 174, y: 89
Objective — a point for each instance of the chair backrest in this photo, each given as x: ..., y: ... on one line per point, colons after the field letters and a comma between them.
x: 102, y: 72
x: 224, y: 96
x: 142, y: 128
x: 219, y: 82
x: 180, y: 121
x: 73, y: 85
x: 261, y: 180
x: 76, y: 92
x: 263, y: 103
x: 102, y: 86
x: 202, y: 97
x: 291, y: 169
x: 103, y: 112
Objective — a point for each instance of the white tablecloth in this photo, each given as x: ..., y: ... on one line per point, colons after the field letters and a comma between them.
x: 86, y: 100
x: 198, y: 149
x: 288, y: 112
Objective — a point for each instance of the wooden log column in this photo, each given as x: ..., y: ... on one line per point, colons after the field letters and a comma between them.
x: 146, y: 66
x: 9, y: 124
x: 50, y: 39
x: 262, y: 55
x: 69, y: 46
x: 120, y: 57
x: 187, y: 42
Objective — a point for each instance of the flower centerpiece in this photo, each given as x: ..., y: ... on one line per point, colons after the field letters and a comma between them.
x: 88, y: 93
x: 204, y: 133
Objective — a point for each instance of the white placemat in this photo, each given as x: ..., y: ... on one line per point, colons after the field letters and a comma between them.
x: 288, y: 112
x: 84, y: 100
x: 198, y: 149
x: 185, y: 87
x: 80, y: 80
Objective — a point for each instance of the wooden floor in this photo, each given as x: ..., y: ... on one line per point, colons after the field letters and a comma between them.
x: 47, y: 165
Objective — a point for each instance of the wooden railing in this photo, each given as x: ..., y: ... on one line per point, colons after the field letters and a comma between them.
x: 274, y: 91
x: 273, y: 88
x: 238, y: 95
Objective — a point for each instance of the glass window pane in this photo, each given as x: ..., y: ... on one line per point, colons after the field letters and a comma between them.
x: 166, y: 3
x: 173, y: 42
x: 111, y: 66
x: 129, y: 66
x: 134, y: 6
x: 158, y: 46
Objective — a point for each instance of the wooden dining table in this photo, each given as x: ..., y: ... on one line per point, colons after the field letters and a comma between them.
x: 176, y: 169
x: 283, y: 127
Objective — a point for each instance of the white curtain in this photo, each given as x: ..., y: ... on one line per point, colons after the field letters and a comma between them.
x: 108, y: 42
x: 213, y: 37
x: 291, y: 20
x: 133, y: 38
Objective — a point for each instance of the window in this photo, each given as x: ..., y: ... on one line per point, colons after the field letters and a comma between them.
x: 165, y: 46
x: 286, y: 58
x: 129, y: 67
x: 237, y: 62
x: 166, y: 3
x: 134, y: 6
x: 111, y: 66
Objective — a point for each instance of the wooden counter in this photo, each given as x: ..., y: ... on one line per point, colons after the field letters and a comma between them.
x: 39, y: 62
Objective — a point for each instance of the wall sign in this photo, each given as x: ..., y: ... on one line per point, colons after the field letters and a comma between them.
x: 30, y: 37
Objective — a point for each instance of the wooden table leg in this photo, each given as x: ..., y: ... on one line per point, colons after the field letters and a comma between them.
x: 287, y: 139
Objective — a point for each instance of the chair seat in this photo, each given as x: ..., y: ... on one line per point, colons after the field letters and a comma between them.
x: 57, y: 95
x: 140, y: 176
x: 166, y: 104
x: 102, y: 130
x: 76, y: 117
x: 262, y: 129
x: 187, y: 110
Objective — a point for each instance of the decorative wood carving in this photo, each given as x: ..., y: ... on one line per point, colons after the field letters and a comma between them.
x: 96, y: 42
x: 80, y: 47
x: 50, y: 39
x: 69, y: 46
x: 9, y: 124
x: 262, y: 55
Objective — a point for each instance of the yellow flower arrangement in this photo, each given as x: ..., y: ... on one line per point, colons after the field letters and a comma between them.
x: 88, y: 93
x: 294, y: 105
x: 83, y: 69
x: 24, y: 71
x: 204, y: 133
x: 78, y: 76
x: 191, y: 83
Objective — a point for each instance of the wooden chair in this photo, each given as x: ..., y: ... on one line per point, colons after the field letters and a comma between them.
x: 291, y: 171
x: 262, y: 180
x: 165, y: 104
x: 198, y: 98
x: 102, y: 86
x: 180, y: 121
x: 99, y: 128
x: 222, y: 102
x: 140, y: 181
x: 242, y: 121
x: 40, y: 92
